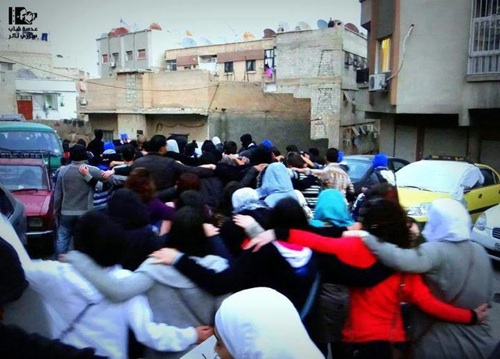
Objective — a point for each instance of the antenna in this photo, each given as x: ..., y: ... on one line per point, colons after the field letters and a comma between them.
x: 236, y: 36
x: 322, y: 24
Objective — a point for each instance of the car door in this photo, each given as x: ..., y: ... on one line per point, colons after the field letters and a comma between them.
x: 484, y: 196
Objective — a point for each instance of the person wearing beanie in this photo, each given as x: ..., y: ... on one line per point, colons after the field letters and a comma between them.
x: 72, y: 196
x: 96, y: 146
x: 246, y: 142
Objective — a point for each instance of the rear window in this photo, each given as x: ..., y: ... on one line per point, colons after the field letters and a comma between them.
x: 33, y: 140
x: 357, y: 168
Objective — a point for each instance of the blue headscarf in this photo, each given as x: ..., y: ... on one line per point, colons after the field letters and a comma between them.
x: 331, y: 208
x: 380, y: 160
x: 276, y: 184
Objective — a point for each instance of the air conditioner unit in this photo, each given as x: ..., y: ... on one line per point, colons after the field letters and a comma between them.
x: 376, y: 82
x: 112, y: 64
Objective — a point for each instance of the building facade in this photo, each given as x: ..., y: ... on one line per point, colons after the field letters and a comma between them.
x: 40, y: 90
x: 434, y: 77
x: 293, y: 87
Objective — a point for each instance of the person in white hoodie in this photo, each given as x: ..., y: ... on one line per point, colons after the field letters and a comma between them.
x: 261, y: 323
x: 174, y: 299
x: 80, y: 316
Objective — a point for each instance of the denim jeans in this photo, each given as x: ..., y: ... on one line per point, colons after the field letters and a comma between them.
x: 65, y: 229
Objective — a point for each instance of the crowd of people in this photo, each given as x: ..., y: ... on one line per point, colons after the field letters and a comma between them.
x: 163, y: 243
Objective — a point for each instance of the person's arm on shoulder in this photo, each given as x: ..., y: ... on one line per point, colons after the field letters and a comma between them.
x: 200, y: 171
x: 115, y: 289
x: 421, y: 259
x: 158, y: 336
x: 417, y: 292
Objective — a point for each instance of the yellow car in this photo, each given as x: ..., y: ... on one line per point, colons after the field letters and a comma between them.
x: 477, y: 186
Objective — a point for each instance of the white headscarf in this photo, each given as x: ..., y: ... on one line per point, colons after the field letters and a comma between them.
x: 246, y: 198
x: 172, y: 146
x: 216, y: 140
x: 447, y: 220
x: 262, y: 323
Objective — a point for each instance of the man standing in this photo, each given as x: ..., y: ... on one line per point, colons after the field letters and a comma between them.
x: 333, y: 176
x: 72, y: 196
x: 96, y: 146
x: 165, y: 170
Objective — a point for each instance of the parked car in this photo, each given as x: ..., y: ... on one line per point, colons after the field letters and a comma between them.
x: 31, y: 140
x: 486, y: 231
x: 360, y: 168
x: 28, y: 180
x: 477, y: 186
x: 13, y: 209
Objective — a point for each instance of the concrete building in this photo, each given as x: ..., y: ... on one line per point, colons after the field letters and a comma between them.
x: 7, y: 87
x: 224, y: 89
x: 40, y: 90
x: 434, y: 77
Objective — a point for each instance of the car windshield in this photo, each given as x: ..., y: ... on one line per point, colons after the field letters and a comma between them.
x: 357, y: 168
x: 17, y: 177
x: 440, y: 176
x: 30, y: 141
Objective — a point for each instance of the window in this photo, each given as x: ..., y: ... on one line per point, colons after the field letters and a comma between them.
x: 250, y: 65
x: 51, y: 102
x: 105, y: 58
x: 2, y: 76
x: 130, y: 56
x: 484, y: 52
x: 269, y: 58
x: 384, y: 55
x: 141, y: 53
x: 171, y: 65
x: 228, y: 67
x: 116, y: 57
x: 5, y: 66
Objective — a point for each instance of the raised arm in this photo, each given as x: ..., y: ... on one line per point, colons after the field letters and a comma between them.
x: 115, y: 289
x: 416, y: 260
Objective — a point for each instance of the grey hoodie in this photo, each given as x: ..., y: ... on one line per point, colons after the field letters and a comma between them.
x: 174, y: 299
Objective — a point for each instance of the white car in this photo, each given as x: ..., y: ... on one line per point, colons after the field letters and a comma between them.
x: 486, y: 231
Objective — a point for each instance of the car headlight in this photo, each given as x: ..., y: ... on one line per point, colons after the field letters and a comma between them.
x: 480, y: 224
x: 419, y: 210
x: 35, y: 222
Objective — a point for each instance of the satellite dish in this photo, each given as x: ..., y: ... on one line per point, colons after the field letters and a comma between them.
x: 304, y: 25
x: 352, y: 27
x: 283, y: 26
x: 203, y: 41
x: 188, y: 42
x: 155, y: 26
x: 269, y: 33
x: 356, y: 62
x: 322, y: 24
x: 26, y: 74
x: 248, y: 36
x: 337, y: 22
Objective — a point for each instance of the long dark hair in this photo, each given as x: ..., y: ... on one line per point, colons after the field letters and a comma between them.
x: 187, y: 234
x: 288, y: 213
x: 387, y: 220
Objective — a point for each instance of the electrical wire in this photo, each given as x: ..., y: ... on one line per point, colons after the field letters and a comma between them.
x: 403, y: 56
x: 105, y: 85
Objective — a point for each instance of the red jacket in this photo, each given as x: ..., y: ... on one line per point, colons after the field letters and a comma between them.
x: 374, y: 312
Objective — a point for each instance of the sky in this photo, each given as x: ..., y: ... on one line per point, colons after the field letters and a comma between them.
x: 74, y: 26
